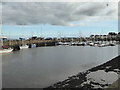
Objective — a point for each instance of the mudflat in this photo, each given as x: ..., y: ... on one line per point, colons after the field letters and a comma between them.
x: 104, y: 76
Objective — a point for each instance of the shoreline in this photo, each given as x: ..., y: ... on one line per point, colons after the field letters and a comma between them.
x: 94, y: 78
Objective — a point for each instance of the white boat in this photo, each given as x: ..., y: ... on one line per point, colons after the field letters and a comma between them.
x: 5, y: 50
x: 91, y: 44
x: 81, y: 44
x: 33, y: 45
x: 24, y: 47
x: 101, y: 45
x: 65, y: 43
x: 60, y: 43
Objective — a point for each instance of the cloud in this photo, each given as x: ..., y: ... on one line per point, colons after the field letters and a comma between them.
x: 0, y: 13
x: 62, y: 13
x: 60, y: 1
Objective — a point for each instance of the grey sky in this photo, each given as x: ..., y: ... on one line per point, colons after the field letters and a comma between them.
x: 55, y: 13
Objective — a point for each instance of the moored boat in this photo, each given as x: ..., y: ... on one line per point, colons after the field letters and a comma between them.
x: 112, y: 44
x: 24, y: 47
x: 5, y: 50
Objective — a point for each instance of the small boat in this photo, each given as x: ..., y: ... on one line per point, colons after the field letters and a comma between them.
x: 24, y: 47
x: 5, y: 50
x: 65, y: 43
x: 33, y: 45
x: 60, y: 43
x: 111, y: 44
x: 101, y: 45
x: 91, y: 44
x: 81, y: 44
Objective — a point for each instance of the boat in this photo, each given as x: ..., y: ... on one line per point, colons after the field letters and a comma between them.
x: 91, y: 44
x: 24, y: 47
x: 81, y: 44
x: 74, y: 43
x: 63, y: 43
x: 112, y: 44
x: 5, y: 50
x: 33, y: 45
x: 60, y: 43
x: 101, y: 45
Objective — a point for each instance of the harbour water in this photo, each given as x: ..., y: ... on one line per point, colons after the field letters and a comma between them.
x: 43, y: 66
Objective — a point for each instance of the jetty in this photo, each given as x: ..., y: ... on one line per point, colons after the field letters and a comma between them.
x: 15, y: 44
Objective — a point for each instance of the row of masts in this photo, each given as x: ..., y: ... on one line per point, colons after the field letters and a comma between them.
x: 39, y: 33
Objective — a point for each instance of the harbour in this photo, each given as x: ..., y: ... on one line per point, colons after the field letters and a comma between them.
x: 7, y: 45
x: 41, y: 67
x: 65, y: 45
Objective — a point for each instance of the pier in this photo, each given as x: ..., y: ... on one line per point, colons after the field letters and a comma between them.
x: 93, y: 40
x: 15, y: 44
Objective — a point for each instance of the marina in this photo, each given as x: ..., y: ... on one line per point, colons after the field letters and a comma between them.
x: 65, y: 45
x: 15, y: 45
x: 28, y: 67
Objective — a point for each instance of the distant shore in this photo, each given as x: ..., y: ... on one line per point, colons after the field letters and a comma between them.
x: 97, y: 78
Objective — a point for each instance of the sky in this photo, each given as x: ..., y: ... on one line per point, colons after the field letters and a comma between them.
x: 58, y: 19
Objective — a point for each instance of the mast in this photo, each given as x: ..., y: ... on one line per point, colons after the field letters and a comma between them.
x: 80, y: 35
x: 41, y: 30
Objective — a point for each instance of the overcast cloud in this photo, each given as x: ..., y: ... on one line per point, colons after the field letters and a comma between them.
x: 56, y: 13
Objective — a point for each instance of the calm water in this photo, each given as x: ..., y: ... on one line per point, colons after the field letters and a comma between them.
x: 41, y: 67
